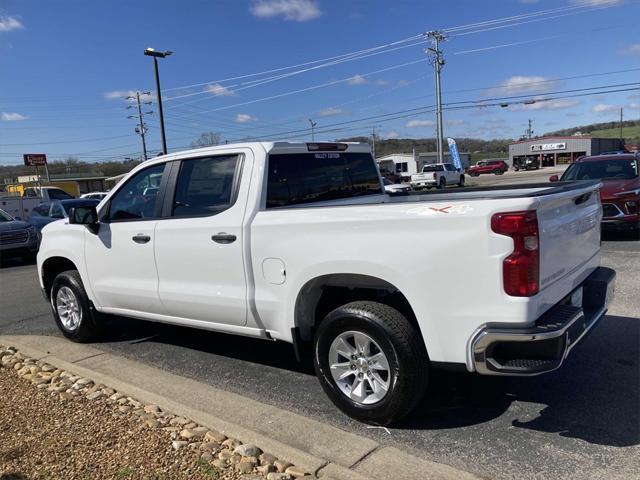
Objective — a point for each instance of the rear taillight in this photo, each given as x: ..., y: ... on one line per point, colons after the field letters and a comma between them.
x: 435, y: 176
x: 521, y: 269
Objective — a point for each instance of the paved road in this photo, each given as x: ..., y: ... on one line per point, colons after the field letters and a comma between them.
x: 580, y: 422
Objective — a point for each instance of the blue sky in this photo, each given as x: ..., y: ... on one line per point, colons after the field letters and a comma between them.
x: 65, y: 67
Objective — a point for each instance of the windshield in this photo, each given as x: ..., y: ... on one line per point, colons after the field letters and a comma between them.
x: 58, y: 194
x: 5, y: 217
x: 603, y: 170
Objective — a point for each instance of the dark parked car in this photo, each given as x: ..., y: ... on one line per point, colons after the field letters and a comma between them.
x: 17, y: 237
x: 497, y: 167
x: 620, y: 193
x: 529, y: 163
x: 46, y: 213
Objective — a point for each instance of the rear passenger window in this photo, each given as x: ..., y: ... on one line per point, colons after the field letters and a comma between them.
x: 205, y: 186
x: 297, y: 178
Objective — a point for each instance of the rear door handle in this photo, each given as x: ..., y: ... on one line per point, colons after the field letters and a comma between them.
x: 140, y: 238
x: 223, y: 237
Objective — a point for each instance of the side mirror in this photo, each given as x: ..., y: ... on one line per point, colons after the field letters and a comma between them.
x: 554, y: 178
x: 87, y: 216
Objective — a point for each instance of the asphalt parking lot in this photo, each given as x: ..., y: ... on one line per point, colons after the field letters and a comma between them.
x: 582, y: 421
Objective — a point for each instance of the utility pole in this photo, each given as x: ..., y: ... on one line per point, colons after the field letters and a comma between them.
x: 313, y: 125
x: 141, y: 127
x: 436, y: 59
x: 373, y: 142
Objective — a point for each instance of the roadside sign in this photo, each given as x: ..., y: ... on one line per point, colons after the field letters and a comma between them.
x: 455, y: 156
x: 35, y: 159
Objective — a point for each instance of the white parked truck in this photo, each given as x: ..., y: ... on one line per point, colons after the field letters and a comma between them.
x: 437, y: 175
x: 282, y: 241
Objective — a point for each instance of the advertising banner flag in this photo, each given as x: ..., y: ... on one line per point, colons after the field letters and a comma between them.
x: 455, y: 156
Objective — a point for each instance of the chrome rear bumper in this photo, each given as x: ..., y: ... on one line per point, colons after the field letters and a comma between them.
x: 543, y: 346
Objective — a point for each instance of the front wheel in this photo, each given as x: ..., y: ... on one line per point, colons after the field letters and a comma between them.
x: 71, y: 308
x: 370, y: 362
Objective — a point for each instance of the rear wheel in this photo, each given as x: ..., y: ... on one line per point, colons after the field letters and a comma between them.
x: 71, y: 308
x: 442, y: 183
x: 371, y: 362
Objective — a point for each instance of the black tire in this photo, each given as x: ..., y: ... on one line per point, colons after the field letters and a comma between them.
x: 474, y: 174
x: 401, y: 344
x: 87, y: 328
x: 442, y: 183
x: 461, y: 182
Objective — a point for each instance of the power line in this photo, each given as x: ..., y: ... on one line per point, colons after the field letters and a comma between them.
x: 314, y: 87
x: 280, y: 69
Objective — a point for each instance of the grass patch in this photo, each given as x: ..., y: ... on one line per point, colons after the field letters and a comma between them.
x: 208, y: 469
x: 124, y: 472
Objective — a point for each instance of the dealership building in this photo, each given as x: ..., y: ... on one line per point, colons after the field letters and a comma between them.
x: 552, y: 151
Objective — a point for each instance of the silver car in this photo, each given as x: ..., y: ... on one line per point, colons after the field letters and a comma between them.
x: 17, y: 237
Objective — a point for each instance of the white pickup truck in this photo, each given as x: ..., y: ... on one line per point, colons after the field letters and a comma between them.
x: 282, y: 241
x: 437, y: 175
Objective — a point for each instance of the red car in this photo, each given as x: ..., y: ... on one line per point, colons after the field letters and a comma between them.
x: 497, y: 167
x: 620, y: 193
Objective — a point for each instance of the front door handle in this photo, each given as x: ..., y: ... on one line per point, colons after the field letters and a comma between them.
x: 140, y: 238
x: 223, y: 237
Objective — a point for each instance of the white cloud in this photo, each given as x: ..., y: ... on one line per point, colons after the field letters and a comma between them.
x: 123, y: 94
x: 382, y: 82
x: 219, y: 90
x: 420, y: 123
x: 596, y: 3
x: 244, y: 118
x: 454, y: 122
x: 631, y: 50
x: 295, y: 10
x: 331, y: 111
x: 605, y: 108
x: 634, y: 106
x: 548, y: 105
x: 404, y: 83
x: 8, y: 23
x: 12, y: 117
x: 522, y: 84
x: 357, y: 80
x: 392, y: 134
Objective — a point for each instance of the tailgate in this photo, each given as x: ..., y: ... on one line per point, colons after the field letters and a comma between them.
x: 569, y: 224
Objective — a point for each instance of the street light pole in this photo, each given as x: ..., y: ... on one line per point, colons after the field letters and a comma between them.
x: 152, y: 53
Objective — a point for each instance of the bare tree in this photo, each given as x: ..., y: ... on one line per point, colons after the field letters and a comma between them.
x: 207, y: 139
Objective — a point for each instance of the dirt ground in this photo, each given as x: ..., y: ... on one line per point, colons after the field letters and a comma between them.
x: 44, y: 437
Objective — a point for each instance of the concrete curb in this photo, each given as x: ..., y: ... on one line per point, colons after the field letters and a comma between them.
x: 326, y: 451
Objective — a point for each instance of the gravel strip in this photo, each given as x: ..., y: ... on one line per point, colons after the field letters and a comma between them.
x: 54, y: 424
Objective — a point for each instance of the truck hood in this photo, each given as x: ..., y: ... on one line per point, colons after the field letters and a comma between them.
x: 612, y: 186
x: 13, y: 225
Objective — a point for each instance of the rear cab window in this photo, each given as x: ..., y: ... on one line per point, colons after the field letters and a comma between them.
x: 299, y: 178
x: 432, y: 168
